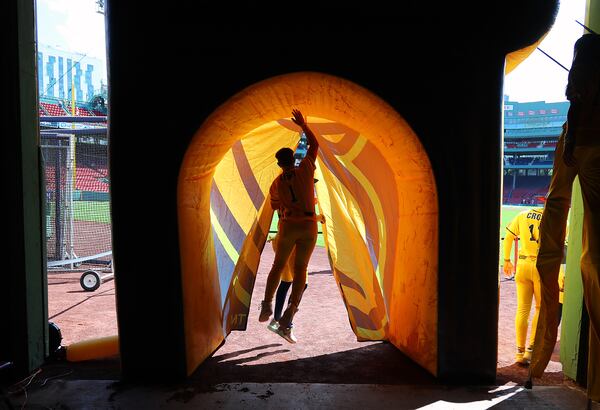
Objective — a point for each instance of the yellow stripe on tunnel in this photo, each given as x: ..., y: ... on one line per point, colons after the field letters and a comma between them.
x: 366, y: 184
x: 227, y: 245
x: 241, y: 293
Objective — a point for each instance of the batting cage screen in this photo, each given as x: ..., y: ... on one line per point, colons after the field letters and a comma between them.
x: 78, y: 223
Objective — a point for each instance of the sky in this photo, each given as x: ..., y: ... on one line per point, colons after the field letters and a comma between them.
x: 76, y: 26
x: 538, y: 78
x: 73, y: 25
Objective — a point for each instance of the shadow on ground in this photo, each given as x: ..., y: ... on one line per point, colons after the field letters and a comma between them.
x: 379, y: 363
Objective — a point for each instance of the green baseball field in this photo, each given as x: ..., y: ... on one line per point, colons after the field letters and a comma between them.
x: 99, y: 211
x: 508, y: 212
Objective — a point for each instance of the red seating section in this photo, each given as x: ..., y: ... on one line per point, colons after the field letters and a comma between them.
x: 93, y: 180
x: 53, y: 109
x: 86, y: 179
x: 83, y: 112
x: 518, y: 196
x: 46, y: 108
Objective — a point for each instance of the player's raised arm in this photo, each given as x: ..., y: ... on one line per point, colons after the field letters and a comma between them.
x: 313, y: 144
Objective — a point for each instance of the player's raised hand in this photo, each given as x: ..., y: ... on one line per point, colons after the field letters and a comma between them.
x: 298, y: 118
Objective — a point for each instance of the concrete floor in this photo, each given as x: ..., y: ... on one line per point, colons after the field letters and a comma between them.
x: 108, y: 394
x: 257, y: 370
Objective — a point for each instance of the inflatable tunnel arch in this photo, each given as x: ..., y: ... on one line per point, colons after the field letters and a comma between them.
x: 378, y: 196
x: 107, y: 346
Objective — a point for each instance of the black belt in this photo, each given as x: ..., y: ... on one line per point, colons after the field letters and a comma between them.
x: 298, y: 214
x: 527, y: 257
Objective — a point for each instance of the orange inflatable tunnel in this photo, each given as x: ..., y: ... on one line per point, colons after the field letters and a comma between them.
x: 378, y: 196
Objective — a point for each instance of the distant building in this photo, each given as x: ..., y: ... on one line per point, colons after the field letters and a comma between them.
x: 58, y: 69
x: 531, y: 132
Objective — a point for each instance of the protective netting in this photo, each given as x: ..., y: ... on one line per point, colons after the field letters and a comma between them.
x: 78, y: 223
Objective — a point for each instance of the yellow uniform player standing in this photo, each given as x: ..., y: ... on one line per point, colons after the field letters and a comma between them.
x: 524, y: 226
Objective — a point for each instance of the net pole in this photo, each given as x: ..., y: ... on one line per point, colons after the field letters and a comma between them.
x: 70, y: 187
x: 58, y: 205
x: 73, y: 113
x: 71, y: 180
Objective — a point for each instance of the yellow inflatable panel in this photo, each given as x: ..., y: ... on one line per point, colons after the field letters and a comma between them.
x: 377, y: 193
x: 91, y: 349
x: 517, y: 57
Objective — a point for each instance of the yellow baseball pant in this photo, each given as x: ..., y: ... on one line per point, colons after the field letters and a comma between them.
x: 552, y: 235
x: 527, y: 279
x: 301, y: 236
x: 287, y: 274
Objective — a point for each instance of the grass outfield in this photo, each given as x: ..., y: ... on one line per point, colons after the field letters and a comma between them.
x: 97, y: 211
x: 86, y: 211
x: 92, y: 211
x: 508, y: 212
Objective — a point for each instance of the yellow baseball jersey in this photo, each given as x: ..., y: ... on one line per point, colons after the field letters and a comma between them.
x: 293, y: 192
x: 525, y: 226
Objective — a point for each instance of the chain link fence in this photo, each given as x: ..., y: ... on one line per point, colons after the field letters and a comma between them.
x: 77, y: 206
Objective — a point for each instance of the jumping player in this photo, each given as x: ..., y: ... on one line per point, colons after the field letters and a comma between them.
x: 287, y: 278
x: 292, y: 196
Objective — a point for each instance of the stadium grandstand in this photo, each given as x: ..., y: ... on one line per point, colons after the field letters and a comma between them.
x: 531, y: 132
x: 51, y: 106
